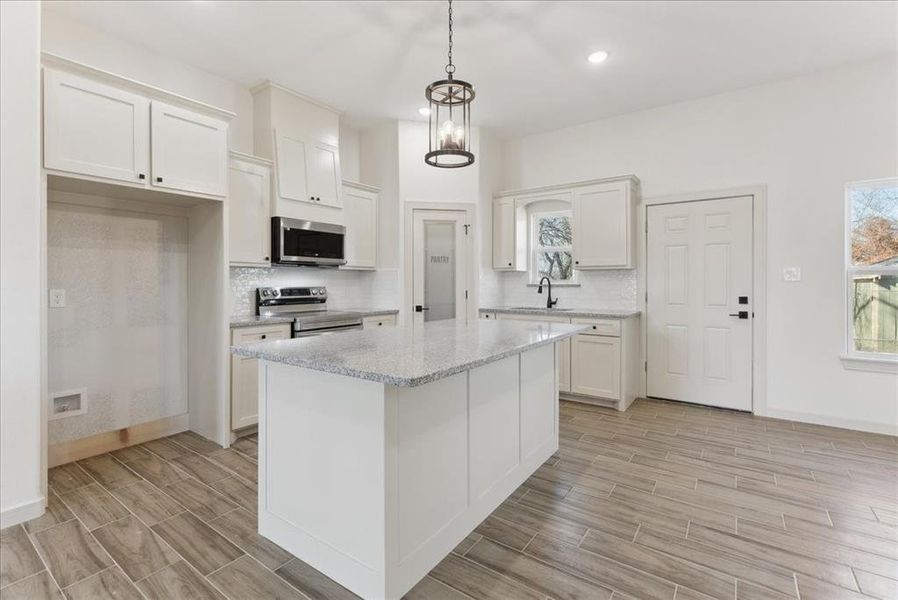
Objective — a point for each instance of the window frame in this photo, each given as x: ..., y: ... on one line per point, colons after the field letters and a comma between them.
x: 853, y: 358
x: 532, y: 247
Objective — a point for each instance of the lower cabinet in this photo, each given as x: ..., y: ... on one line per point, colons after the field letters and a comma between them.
x: 379, y: 321
x: 599, y: 366
x: 245, y: 372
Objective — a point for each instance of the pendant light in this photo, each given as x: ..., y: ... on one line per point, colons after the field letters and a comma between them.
x: 450, y: 117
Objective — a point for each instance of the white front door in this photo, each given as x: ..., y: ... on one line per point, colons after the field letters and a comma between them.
x: 699, y: 284
x: 440, y: 259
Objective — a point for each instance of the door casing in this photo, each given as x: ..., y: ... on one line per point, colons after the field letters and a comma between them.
x: 759, y: 278
x: 472, y: 270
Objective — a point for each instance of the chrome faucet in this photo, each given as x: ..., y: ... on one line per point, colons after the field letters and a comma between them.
x: 549, y: 303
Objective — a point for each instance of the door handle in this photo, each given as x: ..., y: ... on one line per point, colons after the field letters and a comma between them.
x: 419, y: 308
x: 742, y: 314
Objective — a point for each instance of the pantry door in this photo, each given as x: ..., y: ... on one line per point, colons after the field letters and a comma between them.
x: 699, y: 302
x: 440, y: 263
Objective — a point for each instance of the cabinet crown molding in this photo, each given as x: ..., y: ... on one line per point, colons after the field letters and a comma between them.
x: 270, y: 84
x: 54, y: 61
x: 235, y: 155
x: 565, y: 186
x: 361, y: 186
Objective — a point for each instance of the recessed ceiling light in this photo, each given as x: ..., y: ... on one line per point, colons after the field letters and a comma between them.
x: 424, y: 111
x: 597, y: 57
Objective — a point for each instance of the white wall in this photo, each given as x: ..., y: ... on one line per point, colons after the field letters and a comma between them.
x: 350, y: 152
x: 82, y: 43
x: 21, y: 303
x: 122, y: 334
x: 804, y: 139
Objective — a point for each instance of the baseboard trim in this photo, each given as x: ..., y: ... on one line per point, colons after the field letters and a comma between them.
x: 22, y: 512
x: 816, y: 419
x: 66, y: 452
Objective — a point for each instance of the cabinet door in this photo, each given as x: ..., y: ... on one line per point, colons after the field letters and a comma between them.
x: 323, y: 169
x: 291, y: 169
x: 379, y: 321
x: 95, y: 129
x: 603, y: 226
x: 564, y: 365
x: 249, y: 191
x: 504, y: 234
x: 190, y: 151
x: 595, y: 366
x: 360, y: 219
x: 245, y: 374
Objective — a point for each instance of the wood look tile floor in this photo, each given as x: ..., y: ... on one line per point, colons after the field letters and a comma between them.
x: 666, y: 501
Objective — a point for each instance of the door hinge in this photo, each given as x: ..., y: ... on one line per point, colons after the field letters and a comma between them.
x: 646, y: 366
x: 466, y: 294
x: 646, y: 297
x: 646, y: 225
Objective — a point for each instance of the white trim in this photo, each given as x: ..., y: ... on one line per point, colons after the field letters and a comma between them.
x: 22, y: 512
x: 473, y: 269
x: 827, y: 421
x: 874, y: 363
x: 250, y: 158
x: 759, y: 278
x: 532, y: 217
x: 267, y: 84
x: 361, y: 186
x: 564, y: 186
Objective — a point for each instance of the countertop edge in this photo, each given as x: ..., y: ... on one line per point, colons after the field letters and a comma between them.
x: 248, y: 352
x: 254, y: 321
x: 619, y: 314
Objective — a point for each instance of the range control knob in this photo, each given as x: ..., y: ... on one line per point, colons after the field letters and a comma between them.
x: 264, y: 292
x: 275, y: 293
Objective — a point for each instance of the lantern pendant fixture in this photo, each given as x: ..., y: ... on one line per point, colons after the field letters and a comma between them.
x: 450, y: 117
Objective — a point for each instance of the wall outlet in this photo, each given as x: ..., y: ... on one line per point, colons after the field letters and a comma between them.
x: 57, y: 298
x: 792, y: 274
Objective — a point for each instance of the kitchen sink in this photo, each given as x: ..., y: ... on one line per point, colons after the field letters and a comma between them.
x: 539, y: 308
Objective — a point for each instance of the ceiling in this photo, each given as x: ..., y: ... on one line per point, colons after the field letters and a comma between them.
x: 527, y: 60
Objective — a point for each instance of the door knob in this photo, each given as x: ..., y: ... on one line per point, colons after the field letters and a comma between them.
x: 742, y: 314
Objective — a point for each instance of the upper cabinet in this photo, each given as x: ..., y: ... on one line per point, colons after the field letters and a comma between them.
x: 95, y: 129
x: 509, y: 236
x: 360, y: 219
x: 307, y: 171
x: 189, y: 151
x: 301, y: 136
x: 249, y: 199
x: 103, y: 127
x: 603, y: 223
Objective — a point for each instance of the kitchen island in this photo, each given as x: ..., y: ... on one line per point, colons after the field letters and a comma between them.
x: 379, y: 451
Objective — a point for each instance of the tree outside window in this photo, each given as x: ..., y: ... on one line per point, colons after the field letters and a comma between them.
x: 872, y: 270
x: 551, y: 246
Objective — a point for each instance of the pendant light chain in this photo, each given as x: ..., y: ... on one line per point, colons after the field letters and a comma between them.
x: 450, y: 68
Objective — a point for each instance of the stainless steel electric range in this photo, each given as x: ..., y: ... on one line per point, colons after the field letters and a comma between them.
x: 308, y: 307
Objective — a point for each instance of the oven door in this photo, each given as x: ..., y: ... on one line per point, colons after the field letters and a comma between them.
x: 297, y: 242
x: 325, y: 330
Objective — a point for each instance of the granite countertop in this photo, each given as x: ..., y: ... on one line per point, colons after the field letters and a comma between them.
x: 577, y: 313
x: 255, y: 321
x: 411, y: 355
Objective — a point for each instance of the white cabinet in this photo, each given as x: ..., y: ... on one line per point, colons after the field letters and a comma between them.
x: 95, y: 129
x: 105, y: 128
x: 245, y: 372
x: 307, y: 171
x: 360, y: 220
x: 595, y: 366
x: 563, y: 347
x: 189, y: 151
x: 249, y: 196
x: 604, y: 226
x: 509, y: 236
x: 379, y: 321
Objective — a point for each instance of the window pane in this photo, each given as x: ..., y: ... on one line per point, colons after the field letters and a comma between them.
x: 874, y: 225
x: 553, y: 231
x: 556, y: 265
x: 876, y: 313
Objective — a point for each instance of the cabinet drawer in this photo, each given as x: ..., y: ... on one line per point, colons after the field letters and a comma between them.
x: 379, y: 321
x: 251, y: 335
x: 600, y: 326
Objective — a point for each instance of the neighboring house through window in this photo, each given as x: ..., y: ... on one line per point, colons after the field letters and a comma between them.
x: 550, y: 246
x: 872, y: 269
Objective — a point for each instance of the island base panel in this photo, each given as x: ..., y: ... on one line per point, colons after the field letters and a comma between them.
x: 373, y: 484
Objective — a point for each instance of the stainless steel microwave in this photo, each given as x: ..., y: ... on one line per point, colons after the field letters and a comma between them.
x: 306, y: 243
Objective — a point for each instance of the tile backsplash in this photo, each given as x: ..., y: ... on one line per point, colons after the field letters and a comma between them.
x: 597, y: 289
x: 346, y: 289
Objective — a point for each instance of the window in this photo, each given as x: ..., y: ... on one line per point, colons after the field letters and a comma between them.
x: 550, y: 246
x: 872, y: 269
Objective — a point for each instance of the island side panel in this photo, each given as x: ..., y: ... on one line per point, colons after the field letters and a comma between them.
x: 459, y: 448
x: 321, y: 472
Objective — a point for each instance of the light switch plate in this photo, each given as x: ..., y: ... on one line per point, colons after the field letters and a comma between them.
x: 57, y: 298
x: 792, y: 274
